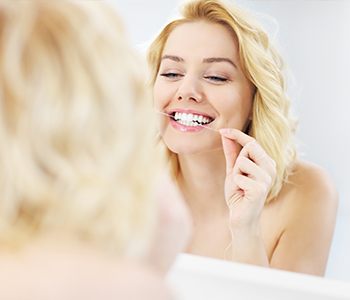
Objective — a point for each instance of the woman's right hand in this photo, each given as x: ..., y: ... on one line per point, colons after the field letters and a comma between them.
x: 250, y: 173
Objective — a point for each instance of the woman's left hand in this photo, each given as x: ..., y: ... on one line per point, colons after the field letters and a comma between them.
x: 250, y: 173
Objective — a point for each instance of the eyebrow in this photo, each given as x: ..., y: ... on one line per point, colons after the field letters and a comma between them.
x: 174, y: 58
x: 219, y: 59
x: 205, y: 60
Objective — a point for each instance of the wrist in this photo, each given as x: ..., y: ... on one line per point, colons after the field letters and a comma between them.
x: 245, y: 230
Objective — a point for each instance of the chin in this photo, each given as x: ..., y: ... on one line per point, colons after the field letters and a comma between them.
x: 191, y: 147
x: 184, y: 150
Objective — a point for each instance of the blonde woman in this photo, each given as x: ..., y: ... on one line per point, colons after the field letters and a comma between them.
x: 219, y: 88
x: 78, y: 208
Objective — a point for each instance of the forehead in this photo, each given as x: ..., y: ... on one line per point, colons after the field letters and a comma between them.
x: 203, y: 39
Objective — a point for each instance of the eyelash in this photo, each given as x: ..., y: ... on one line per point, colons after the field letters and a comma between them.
x: 171, y: 75
x: 216, y: 79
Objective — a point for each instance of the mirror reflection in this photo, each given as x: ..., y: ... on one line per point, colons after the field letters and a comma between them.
x: 196, y: 86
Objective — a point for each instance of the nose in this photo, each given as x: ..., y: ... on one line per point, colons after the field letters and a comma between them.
x: 190, y: 90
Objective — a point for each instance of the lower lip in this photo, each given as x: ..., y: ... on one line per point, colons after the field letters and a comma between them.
x: 184, y: 128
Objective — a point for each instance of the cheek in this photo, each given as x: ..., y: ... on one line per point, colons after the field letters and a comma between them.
x: 161, y: 95
x: 160, y: 102
x: 235, y: 110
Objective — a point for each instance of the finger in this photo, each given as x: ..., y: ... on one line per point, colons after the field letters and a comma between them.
x: 237, y: 135
x: 251, y: 149
x: 244, y: 183
x: 247, y: 167
x: 257, y: 154
x: 231, y: 150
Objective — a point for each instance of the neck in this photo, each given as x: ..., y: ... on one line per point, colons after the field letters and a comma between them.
x: 201, y: 180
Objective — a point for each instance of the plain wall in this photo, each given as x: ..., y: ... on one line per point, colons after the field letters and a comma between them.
x: 314, y: 38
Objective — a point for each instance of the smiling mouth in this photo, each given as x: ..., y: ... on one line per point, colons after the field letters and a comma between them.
x: 192, y: 120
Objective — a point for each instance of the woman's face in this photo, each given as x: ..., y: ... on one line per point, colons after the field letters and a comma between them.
x: 200, y: 81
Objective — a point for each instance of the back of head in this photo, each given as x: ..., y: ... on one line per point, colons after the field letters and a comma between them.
x: 76, y: 148
x: 271, y: 123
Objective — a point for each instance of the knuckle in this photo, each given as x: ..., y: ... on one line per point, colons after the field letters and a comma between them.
x: 244, y: 159
x: 252, y: 144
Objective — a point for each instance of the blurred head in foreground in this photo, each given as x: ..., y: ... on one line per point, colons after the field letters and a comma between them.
x: 76, y: 154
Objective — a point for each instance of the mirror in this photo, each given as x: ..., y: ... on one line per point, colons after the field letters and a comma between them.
x: 313, y: 37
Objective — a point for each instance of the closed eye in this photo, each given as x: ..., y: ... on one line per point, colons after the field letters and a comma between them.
x: 216, y: 78
x: 171, y: 75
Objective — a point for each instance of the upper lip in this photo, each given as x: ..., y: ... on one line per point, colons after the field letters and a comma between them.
x: 189, y: 111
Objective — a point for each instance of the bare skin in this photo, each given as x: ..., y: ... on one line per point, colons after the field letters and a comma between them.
x: 225, y: 176
x: 63, y: 269
x: 58, y: 266
x: 296, y: 228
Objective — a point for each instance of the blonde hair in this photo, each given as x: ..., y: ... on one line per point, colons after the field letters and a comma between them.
x: 76, y: 135
x: 271, y: 125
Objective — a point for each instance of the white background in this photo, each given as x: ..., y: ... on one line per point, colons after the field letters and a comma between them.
x: 314, y: 38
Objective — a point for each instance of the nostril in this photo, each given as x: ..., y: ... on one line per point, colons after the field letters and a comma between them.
x: 189, y: 97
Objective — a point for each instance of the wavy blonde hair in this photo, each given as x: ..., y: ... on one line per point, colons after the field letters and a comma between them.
x: 272, y: 124
x: 76, y: 132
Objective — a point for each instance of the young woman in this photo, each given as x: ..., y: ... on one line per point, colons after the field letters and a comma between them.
x: 225, y: 120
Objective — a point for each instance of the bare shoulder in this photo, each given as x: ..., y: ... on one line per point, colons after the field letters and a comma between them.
x: 35, y: 273
x: 308, y: 209
x: 309, y: 182
x: 309, y: 194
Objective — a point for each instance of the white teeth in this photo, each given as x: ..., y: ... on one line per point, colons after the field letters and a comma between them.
x: 191, y: 119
